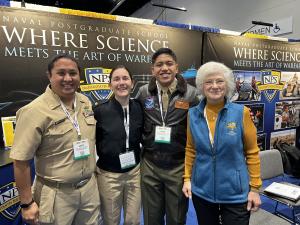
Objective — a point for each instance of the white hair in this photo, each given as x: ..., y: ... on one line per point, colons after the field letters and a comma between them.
x: 210, y: 68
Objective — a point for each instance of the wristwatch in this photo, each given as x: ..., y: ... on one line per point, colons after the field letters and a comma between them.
x: 26, y: 205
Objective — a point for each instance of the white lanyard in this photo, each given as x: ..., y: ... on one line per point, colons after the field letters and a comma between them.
x: 73, y: 121
x: 210, y: 134
x: 126, y: 125
x: 160, y: 104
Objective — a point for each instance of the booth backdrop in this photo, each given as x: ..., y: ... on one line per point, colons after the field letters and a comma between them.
x: 267, y: 72
x: 29, y: 39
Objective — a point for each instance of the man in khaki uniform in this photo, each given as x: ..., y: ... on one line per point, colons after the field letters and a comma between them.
x: 58, y: 130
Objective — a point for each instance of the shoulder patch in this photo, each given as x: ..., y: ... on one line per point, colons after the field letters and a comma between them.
x: 102, y: 101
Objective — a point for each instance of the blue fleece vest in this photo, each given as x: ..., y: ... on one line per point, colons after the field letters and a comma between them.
x: 220, y: 173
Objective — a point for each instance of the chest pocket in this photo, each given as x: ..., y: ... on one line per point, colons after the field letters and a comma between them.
x: 58, y: 137
x: 90, y: 120
x: 61, y: 129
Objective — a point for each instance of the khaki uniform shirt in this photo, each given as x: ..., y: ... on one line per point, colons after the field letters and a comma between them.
x: 44, y: 131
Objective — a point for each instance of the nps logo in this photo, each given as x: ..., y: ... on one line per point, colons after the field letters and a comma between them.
x: 97, y: 83
x: 270, y: 83
x: 149, y: 103
x: 9, y: 201
x: 231, y: 126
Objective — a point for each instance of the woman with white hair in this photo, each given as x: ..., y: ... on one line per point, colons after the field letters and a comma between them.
x: 222, y: 167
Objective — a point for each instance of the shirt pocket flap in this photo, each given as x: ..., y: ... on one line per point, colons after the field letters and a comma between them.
x: 61, y: 129
x: 90, y: 120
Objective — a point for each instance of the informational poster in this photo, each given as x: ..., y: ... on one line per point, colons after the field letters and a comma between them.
x: 286, y: 136
x: 8, y: 128
x: 257, y: 115
x: 29, y: 39
x: 267, y: 80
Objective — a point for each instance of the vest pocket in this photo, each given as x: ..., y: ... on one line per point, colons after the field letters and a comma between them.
x: 239, y: 181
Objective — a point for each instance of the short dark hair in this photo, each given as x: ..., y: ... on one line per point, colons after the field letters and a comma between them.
x: 61, y: 56
x: 119, y: 67
x: 167, y: 51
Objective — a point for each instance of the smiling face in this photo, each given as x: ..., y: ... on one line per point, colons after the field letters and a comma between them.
x: 64, y: 78
x: 165, y: 69
x: 214, y: 88
x: 121, y: 83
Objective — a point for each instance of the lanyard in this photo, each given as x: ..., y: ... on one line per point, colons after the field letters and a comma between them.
x: 126, y: 125
x: 160, y: 104
x: 73, y: 121
x: 210, y: 134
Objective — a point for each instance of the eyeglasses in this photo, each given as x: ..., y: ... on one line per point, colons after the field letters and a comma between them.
x: 210, y: 83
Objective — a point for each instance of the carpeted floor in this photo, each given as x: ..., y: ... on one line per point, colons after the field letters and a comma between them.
x: 267, y: 204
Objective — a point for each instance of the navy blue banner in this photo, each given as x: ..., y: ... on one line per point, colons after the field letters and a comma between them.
x: 267, y: 78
